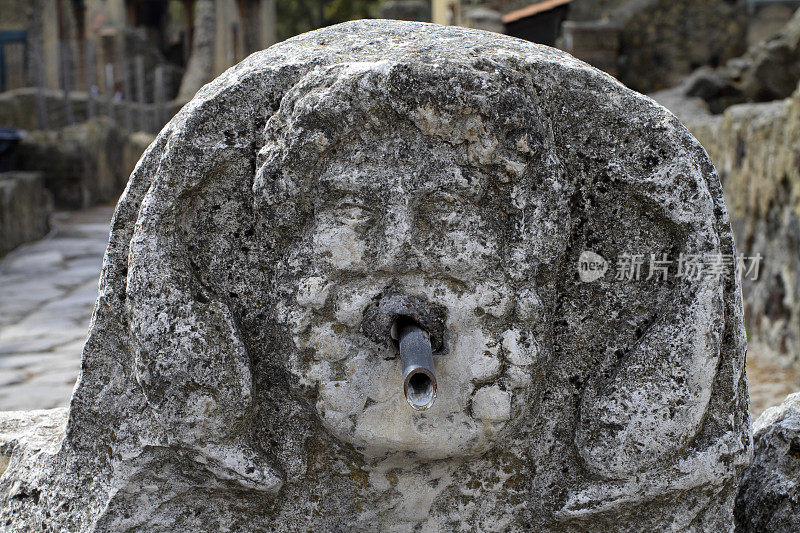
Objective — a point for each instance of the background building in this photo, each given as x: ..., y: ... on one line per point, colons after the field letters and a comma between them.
x: 88, y: 45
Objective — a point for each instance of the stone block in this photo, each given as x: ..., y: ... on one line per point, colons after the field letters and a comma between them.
x: 769, y: 497
x: 279, y: 236
x: 25, y: 207
x: 83, y: 164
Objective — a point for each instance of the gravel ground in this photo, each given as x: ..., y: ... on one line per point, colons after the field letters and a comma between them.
x: 769, y: 382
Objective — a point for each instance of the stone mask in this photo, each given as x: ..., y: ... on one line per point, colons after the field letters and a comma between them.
x: 433, y: 207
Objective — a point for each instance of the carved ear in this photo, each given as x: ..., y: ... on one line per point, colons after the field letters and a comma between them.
x: 194, y: 371
x: 191, y: 356
x: 648, y: 403
x: 191, y: 361
x: 650, y: 346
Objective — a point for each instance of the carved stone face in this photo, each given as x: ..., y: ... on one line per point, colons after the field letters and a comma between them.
x: 424, y: 241
x: 423, y: 212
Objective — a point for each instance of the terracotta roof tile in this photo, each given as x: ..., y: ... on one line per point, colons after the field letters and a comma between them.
x: 533, y: 9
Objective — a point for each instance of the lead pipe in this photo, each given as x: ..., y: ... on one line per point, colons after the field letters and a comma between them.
x: 419, y: 376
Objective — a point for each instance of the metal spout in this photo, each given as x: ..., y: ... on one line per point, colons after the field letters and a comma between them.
x: 419, y: 376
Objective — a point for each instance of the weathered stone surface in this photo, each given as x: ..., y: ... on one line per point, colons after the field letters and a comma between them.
x: 25, y: 434
x: 25, y: 208
x: 227, y: 382
x: 769, y: 496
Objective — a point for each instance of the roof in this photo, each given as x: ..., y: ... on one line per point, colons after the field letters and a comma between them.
x: 533, y: 9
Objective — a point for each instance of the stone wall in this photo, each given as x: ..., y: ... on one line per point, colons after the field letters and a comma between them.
x: 661, y: 41
x: 82, y: 164
x: 18, y: 109
x: 756, y: 150
x: 768, y: 71
x: 25, y: 209
x: 664, y: 40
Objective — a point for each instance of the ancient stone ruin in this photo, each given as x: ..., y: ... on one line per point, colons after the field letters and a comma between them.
x: 328, y: 197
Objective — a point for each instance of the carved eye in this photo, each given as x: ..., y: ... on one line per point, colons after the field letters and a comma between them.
x: 353, y: 215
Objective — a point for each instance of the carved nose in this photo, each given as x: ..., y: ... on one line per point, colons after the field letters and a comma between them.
x: 403, y: 258
x: 401, y: 252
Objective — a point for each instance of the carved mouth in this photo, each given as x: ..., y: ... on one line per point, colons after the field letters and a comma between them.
x: 381, y: 316
x: 415, y: 327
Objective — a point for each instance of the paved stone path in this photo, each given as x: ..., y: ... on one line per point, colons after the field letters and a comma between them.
x: 47, y: 292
